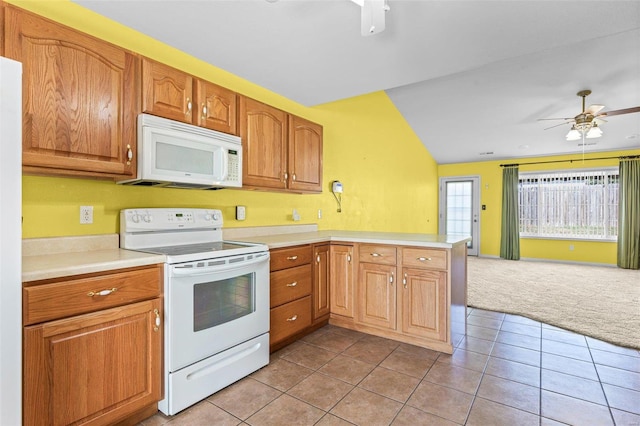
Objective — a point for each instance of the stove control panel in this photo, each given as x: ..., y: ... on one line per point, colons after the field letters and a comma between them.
x: 167, y: 219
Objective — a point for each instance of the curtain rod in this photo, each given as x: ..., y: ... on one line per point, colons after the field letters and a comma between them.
x: 570, y: 161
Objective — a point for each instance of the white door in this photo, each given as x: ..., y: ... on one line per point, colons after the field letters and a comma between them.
x: 460, y: 209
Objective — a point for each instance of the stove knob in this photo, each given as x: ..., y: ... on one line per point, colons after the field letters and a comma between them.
x: 207, y: 217
x: 216, y: 216
x: 148, y: 218
x: 135, y: 218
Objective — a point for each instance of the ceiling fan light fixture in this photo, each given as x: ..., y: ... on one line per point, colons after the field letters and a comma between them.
x: 573, y: 134
x: 594, y: 132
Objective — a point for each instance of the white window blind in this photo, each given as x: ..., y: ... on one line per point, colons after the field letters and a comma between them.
x: 572, y: 205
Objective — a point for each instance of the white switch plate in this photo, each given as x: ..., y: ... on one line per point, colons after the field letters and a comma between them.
x: 241, y: 213
x: 295, y: 215
x: 319, y: 213
x: 86, y: 214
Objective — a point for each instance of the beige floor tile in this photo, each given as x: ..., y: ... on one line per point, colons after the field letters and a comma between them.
x: 474, y: 344
x: 625, y: 418
x: 408, y: 363
x: 331, y: 420
x: 618, y: 377
x: 362, y: 407
x: 485, y: 313
x: 566, y: 349
x: 204, y: 413
x: 286, y: 410
x: 612, y: 359
x: 310, y: 356
x: 564, y: 336
x: 569, y: 366
x: 418, y: 351
x: 484, y: 321
x: 482, y: 332
x: 458, y: 378
x: 333, y: 342
x: 622, y: 398
x: 347, y: 369
x: 369, y: 351
x: 521, y: 340
x: 513, y: 394
x: 511, y: 370
x: 320, y: 391
x: 441, y: 401
x: 574, y: 386
x: 485, y: 412
x: 410, y: 416
x: 465, y: 359
x: 515, y: 353
x: 573, y: 411
x: 244, y: 398
x: 520, y: 328
x: 390, y: 384
x: 282, y: 374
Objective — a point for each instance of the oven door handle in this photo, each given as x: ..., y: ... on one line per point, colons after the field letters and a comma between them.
x: 182, y: 270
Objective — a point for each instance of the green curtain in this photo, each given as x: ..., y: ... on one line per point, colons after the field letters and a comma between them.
x: 629, y: 214
x: 510, y: 229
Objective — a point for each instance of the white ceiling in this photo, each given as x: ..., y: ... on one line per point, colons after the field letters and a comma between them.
x: 468, y: 76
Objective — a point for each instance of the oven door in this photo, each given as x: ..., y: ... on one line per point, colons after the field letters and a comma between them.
x: 212, y: 305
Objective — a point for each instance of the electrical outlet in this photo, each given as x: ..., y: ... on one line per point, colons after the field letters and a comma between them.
x: 319, y: 213
x: 86, y: 214
x: 295, y: 215
x: 241, y: 213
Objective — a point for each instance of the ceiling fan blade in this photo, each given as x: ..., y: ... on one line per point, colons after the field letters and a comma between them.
x: 564, y: 118
x: 620, y: 111
x: 600, y: 120
x: 557, y: 125
x: 594, y: 109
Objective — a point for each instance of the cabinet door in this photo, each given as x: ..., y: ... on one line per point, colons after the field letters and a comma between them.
x: 341, y: 280
x: 264, y: 133
x: 95, y: 368
x: 305, y: 155
x: 215, y: 108
x: 424, y: 307
x: 79, y: 99
x: 167, y: 92
x: 377, y: 295
x: 321, y: 302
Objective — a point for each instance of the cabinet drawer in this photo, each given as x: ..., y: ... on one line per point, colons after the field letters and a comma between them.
x: 290, y: 284
x: 384, y: 255
x: 424, y: 258
x: 290, y: 257
x: 289, y: 319
x: 69, y: 297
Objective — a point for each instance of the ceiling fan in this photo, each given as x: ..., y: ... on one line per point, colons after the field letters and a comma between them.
x: 586, y: 124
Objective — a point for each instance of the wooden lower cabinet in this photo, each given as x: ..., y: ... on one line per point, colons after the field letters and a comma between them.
x: 341, y: 280
x: 423, y: 299
x: 290, y: 319
x: 376, y: 303
x: 97, y: 368
x: 321, y: 275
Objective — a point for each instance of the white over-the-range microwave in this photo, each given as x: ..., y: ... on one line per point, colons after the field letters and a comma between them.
x: 179, y: 155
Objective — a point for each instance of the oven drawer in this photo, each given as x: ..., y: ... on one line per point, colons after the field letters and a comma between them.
x: 64, y: 298
x: 424, y: 258
x: 290, y: 257
x: 384, y: 255
x: 289, y: 319
x: 290, y: 284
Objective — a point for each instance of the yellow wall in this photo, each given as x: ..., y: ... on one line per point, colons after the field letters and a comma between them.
x: 490, y: 174
x: 367, y: 146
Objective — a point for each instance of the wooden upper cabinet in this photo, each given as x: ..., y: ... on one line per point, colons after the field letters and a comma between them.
x: 79, y: 98
x: 166, y: 91
x: 305, y: 155
x: 280, y: 151
x: 263, y: 129
x: 216, y: 107
x: 174, y: 94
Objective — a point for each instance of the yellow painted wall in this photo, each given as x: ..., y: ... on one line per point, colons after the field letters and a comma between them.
x: 490, y: 174
x: 389, y: 178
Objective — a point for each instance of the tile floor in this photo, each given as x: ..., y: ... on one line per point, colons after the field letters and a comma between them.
x: 508, y: 370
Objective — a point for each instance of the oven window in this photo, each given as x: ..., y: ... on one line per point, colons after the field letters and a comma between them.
x: 218, y: 302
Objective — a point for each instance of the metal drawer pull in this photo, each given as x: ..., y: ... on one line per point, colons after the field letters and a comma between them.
x: 376, y: 255
x: 423, y: 259
x: 292, y: 258
x: 391, y: 278
x: 293, y: 318
x: 105, y: 292
x: 293, y: 284
x: 157, y: 326
x: 404, y: 280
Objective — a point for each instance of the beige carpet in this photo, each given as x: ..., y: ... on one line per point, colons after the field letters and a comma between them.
x: 598, y: 301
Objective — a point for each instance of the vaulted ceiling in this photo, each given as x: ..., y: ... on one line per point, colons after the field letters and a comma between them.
x: 470, y: 77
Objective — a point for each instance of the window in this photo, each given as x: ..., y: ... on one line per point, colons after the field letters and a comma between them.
x: 572, y: 205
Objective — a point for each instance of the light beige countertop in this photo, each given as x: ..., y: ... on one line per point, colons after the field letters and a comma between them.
x: 45, y: 258
x: 396, y: 238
